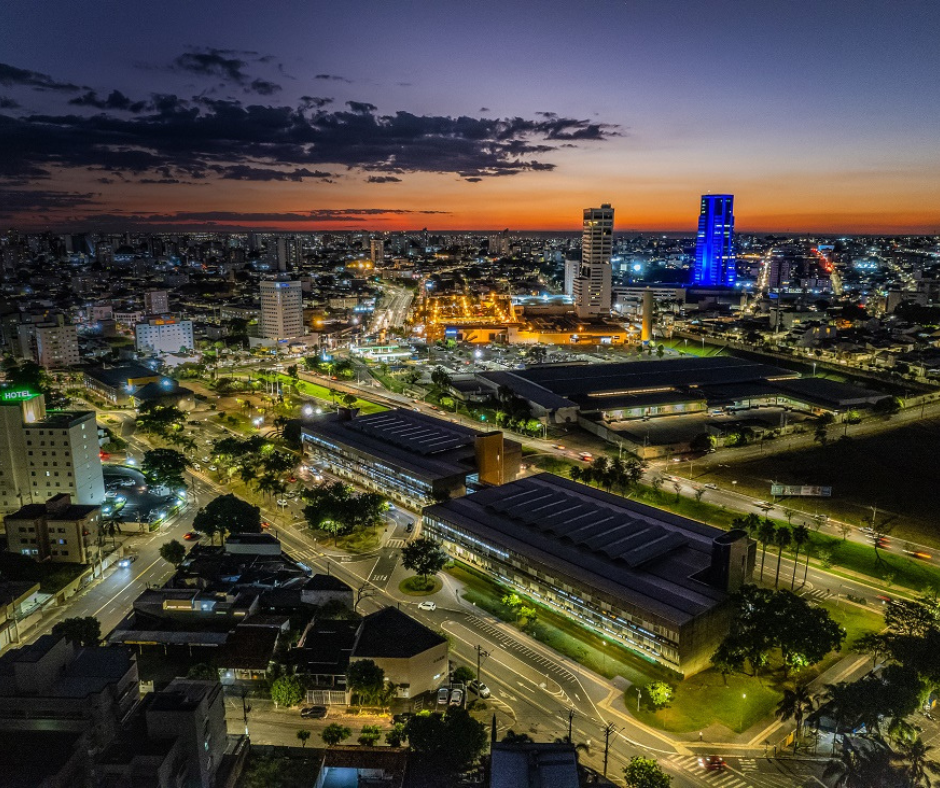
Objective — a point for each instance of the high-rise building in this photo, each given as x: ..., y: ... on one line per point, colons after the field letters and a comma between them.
x: 593, y: 283
x: 714, y: 243
x: 52, y: 344
x: 164, y: 335
x: 377, y: 251
x: 499, y: 244
x: 572, y: 269
x: 282, y: 310
x: 156, y: 302
x: 45, y: 454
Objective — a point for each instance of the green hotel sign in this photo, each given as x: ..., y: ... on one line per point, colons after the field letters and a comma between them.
x: 17, y: 395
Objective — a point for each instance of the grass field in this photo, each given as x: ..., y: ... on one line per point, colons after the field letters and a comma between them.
x: 894, y: 471
x: 414, y: 586
x: 323, y: 393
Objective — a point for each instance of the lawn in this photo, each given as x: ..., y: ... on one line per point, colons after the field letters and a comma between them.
x: 362, y: 541
x: 894, y: 471
x: 562, y: 634
x: 743, y: 701
x: 415, y: 586
x: 323, y: 393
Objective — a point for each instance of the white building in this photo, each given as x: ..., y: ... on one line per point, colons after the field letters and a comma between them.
x: 282, y: 310
x: 164, y: 335
x: 572, y: 269
x: 593, y: 283
x: 156, y: 302
x: 52, y: 344
x: 42, y: 455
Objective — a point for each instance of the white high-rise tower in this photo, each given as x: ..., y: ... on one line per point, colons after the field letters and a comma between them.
x: 282, y: 310
x: 592, y: 296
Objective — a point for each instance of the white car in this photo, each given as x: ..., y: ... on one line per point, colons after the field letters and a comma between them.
x: 281, y: 502
x: 428, y: 606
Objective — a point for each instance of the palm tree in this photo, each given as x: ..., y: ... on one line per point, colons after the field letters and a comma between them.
x: 917, y: 763
x: 862, y: 767
x: 795, y: 705
x: 110, y: 526
x: 800, y: 534
x: 782, y: 539
x: 765, y: 535
x: 441, y: 379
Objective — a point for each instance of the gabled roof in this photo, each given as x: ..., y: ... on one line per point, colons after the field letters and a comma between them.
x: 391, y: 634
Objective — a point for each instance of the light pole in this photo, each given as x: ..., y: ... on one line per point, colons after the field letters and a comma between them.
x: 639, y: 692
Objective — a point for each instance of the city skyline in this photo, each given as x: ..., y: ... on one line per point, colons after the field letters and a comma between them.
x: 454, y: 117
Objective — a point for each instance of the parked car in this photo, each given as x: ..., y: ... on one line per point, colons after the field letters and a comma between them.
x: 479, y: 688
x: 443, y: 695
x: 410, y: 527
x: 456, y: 697
x: 313, y: 712
x: 282, y: 502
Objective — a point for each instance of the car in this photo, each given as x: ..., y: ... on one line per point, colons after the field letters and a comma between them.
x: 428, y: 606
x: 205, y: 459
x: 110, y: 494
x: 282, y: 502
x: 291, y: 479
x: 712, y: 763
x: 410, y: 527
x: 710, y: 486
x: 127, y: 560
x: 265, y: 525
x: 586, y: 456
x: 456, y: 697
x: 197, y: 466
x: 443, y: 695
x: 213, y: 468
x: 192, y: 535
x: 559, y: 447
x: 479, y: 688
x: 313, y: 712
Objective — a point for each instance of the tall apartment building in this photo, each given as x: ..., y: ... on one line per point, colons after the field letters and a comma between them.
x: 164, y: 335
x: 156, y: 302
x: 45, y: 454
x: 56, y: 530
x: 592, y: 286
x: 714, y: 242
x: 52, y: 344
x: 377, y: 251
x: 499, y: 244
x: 572, y: 269
x: 282, y: 310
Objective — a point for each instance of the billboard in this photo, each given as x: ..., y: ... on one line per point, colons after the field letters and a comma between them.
x: 800, y: 491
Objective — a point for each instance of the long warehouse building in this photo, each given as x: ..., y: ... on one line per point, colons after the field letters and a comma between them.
x: 654, y: 582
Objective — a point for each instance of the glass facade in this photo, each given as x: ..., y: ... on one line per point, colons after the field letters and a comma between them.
x: 714, y: 242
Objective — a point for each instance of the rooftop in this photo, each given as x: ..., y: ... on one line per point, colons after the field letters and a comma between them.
x: 391, y: 634
x: 628, y: 549
x: 115, y: 377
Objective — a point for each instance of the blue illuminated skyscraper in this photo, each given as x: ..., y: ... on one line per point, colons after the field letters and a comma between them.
x: 714, y: 244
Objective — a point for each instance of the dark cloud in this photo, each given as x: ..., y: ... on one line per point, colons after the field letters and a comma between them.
x: 308, y: 102
x: 16, y: 201
x: 362, y: 107
x: 11, y: 76
x: 263, y: 87
x: 484, y: 109
x: 115, y: 100
x: 8, y: 103
x: 383, y: 179
x: 243, y: 172
x: 219, y: 63
x: 333, y: 77
x: 473, y: 180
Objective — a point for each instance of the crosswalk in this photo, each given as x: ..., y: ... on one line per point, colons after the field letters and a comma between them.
x: 818, y: 593
x: 551, y: 669
x: 395, y: 544
x: 722, y: 779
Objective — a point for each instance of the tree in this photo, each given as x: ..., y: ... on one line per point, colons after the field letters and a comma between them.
x: 703, y: 442
x: 800, y: 537
x: 154, y: 418
x: 287, y: 691
x: 865, y: 765
x: 227, y: 514
x: 887, y: 406
x: 396, y: 736
x: 441, y: 380
x: 453, y: 741
x: 84, y: 632
x: 202, y: 671
x: 765, y: 535
x: 782, y: 539
x: 172, y: 552
x: 917, y: 762
x: 369, y: 735
x: 795, y: 705
x: 659, y: 694
x: 334, y: 734
x: 349, y: 400
x: 165, y: 468
x: 645, y: 773
x: 337, y: 510
x: 366, y: 680
x: 425, y: 557
x: 303, y: 734
x: 464, y: 675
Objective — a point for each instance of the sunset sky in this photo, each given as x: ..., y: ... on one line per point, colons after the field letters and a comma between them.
x: 818, y: 115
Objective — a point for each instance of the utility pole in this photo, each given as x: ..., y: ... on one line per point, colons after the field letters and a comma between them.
x: 246, y: 710
x: 608, y: 729
x: 481, y: 655
x: 570, y: 720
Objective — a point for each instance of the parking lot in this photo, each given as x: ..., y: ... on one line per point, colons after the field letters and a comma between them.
x: 128, y: 493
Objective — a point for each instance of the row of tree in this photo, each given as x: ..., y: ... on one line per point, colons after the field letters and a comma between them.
x: 611, y: 474
x: 256, y: 462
